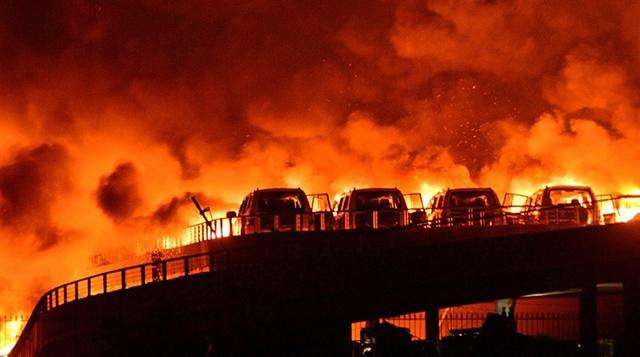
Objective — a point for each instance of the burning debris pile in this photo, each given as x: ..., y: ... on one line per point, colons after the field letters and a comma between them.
x: 113, y: 114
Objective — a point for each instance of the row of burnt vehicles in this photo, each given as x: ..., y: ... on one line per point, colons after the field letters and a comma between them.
x: 291, y: 209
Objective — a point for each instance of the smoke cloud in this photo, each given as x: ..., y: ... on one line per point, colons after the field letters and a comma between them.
x: 29, y: 186
x: 118, y: 195
x: 113, y: 112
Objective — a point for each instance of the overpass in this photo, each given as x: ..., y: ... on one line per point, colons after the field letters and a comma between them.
x: 284, y: 292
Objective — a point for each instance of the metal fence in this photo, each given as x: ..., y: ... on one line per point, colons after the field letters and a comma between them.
x: 129, y: 277
x: 126, y: 278
x: 603, y: 211
x: 563, y: 326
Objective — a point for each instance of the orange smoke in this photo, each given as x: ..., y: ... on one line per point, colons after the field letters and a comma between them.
x: 112, y: 115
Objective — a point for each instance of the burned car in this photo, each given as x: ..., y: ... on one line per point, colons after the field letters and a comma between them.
x: 377, y: 208
x: 274, y: 209
x: 466, y: 206
x: 562, y: 205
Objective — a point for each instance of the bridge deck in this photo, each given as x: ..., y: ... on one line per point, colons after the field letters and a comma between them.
x: 297, y: 280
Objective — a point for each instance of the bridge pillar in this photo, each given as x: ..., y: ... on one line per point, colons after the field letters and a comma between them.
x: 432, y: 321
x: 631, y: 306
x: 589, y: 320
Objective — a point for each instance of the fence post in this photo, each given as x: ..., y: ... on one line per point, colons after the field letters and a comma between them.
x: 142, y: 277
x: 104, y: 283
x: 186, y: 266
x: 164, y: 270
x: 76, y: 288
x: 589, y: 320
x: 432, y: 324
x: 64, y: 291
x: 211, y: 262
x: 88, y: 286
x: 124, y: 279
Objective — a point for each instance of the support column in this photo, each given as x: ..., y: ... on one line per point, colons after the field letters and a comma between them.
x: 631, y: 305
x: 589, y: 320
x: 432, y: 320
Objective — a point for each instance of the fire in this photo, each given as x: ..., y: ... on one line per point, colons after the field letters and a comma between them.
x: 168, y: 242
x: 628, y: 208
x: 105, y: 140
x: 427, y: 191
x: 9, y: 331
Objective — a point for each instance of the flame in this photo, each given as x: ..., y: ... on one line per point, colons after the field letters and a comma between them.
x: 427, y: 191
x: 627, y: 214
x: 9, y: 333
x: 104, y: 148
x: 628, y: 208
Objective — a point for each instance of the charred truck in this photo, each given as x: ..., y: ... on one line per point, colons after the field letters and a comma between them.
x: 377, y: 208
x: 561, y: 205
x: 282, y: 209
x: 466, y: 206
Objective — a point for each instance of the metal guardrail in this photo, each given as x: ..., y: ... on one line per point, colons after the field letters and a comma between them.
x: 129, y: 277
x: 504, y: 215
x: 375, y: 219
x: 618, y: 209
x: 350, y: 220
x: 32, y: 337
x: 563, y: 326
x: 264, y: 223
x: 299, y: 222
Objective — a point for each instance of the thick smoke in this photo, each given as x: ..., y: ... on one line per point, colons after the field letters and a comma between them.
x: 30, y: 185
x: 223, y: 97
x: 118, y: 195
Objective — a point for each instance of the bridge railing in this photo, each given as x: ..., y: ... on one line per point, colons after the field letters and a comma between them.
x: 563, y: 326
x: 478, y: 216
x: 304, y: 222
x: 609, y: 210
x: 32, y: 338
x: 263, y: 223
x: 375, y: 219
x: 613, y: 209
x: 129, y: 277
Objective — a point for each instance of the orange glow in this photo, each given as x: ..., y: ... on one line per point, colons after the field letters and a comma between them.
x: 122, y: 117
x: 628, y: 208
x: 9, y: 332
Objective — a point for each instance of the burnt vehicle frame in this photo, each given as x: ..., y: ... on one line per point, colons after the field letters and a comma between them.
x: 376, y: 208
x: 559, y: 205
x: 465, y: 206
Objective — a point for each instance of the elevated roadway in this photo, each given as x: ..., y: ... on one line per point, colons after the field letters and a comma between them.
x: 283, y: 293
